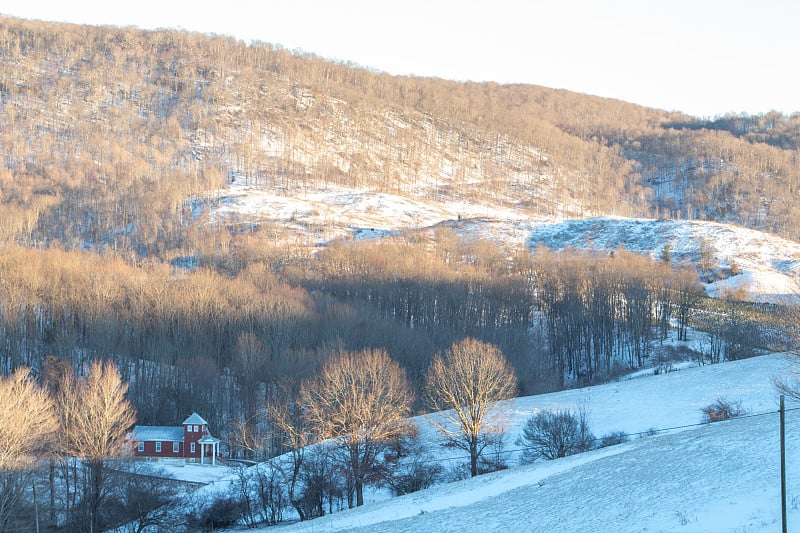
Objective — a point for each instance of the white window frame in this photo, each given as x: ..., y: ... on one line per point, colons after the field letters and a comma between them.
x: 193, y: 448
x: 189, y: 428
x: 140, y: 447
x: 158, y: 446
x: 195, y: 429
x: 175, y: 447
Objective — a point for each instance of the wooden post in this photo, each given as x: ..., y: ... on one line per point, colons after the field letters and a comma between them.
x: 783, y: 465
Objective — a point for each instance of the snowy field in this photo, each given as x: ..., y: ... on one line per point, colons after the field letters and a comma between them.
x: 181, y: 470
x: 760, y: 266
x: 675, y: 474
x: 721, y: 477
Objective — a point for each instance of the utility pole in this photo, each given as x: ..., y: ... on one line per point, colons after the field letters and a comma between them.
x: 783, y: 465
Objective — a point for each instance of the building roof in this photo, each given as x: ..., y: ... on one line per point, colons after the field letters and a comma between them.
x: 194, y: 419
x: 157, y: 433
x: 208, y: 439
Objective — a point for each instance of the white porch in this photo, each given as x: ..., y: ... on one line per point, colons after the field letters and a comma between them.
x: 209, y: 443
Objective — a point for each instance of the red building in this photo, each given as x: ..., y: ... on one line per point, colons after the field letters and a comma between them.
x: 191, y: 441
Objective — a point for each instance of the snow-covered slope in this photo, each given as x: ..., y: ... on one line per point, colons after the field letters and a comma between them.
x: 686, y: 477
x: 756, y: 265
x: 764, y: 266
x: 720, y: 478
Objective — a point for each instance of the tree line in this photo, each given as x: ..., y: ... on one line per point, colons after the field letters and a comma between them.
x: 328, y: 437
x: 222, y: 343
x: 347, y: 427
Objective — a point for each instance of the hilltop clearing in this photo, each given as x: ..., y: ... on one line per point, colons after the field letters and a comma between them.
x: 741, y: 262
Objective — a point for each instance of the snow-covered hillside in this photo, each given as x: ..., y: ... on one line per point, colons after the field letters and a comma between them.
x: 756, y: 265
x: 764, y: 266
x: 675, y: 474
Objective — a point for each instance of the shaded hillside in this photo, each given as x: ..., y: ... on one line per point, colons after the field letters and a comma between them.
x: 108, y: 134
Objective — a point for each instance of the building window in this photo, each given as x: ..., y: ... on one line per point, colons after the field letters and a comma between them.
x: 140, y: 447
x: 189, y: 429
x: 158, y: 447
x: 174, y: 447
x: 195, y: 429
x: 193, y: 448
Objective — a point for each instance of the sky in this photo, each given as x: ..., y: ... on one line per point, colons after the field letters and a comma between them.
x: 702, y: 57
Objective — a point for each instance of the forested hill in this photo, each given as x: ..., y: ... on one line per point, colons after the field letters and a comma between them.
x: 125, y: 154
x: 108, y: 134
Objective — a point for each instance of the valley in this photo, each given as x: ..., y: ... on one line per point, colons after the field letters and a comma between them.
x: 197, y: 224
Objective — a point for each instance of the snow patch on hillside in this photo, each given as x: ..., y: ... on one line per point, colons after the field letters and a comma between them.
x: 759, y: 286
x: 749, y: 263
x: 756, y: 265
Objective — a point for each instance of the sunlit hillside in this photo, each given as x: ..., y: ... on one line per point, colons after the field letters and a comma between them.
x: 110, y: 134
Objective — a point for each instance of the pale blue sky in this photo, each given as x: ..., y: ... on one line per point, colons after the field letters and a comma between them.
x: 704, y: 57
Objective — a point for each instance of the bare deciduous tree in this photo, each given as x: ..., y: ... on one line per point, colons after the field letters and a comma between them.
x: 145, y: 499
x: 98, y: 417
x: 26, y: 420
x: 359, y: 401
x: 465, y: 383
x: 27, y: 423
x: 287, y: 420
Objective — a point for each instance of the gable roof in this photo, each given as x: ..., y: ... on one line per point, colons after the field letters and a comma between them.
x: 208, y: 439
x: 194, y: 419
x: 157, y: 433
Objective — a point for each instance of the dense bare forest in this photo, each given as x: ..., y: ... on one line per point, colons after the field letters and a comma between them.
x: 111, y: 136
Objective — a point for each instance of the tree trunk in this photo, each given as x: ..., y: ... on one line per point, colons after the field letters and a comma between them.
x: 297, y: 464
x: 299, y: 508
x: 52, y: 491
x: 354, y: 482
x: 359, y: 492
x: 349, y: 493
x: 96, y: 479
x: 473, y: 457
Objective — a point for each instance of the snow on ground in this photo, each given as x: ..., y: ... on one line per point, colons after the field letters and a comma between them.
x: 687, y: 476
x: 715, y: 478
x: 345, y: 212
x: 759, y: 285
x: 754, y: 264
x: 183, y: 471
